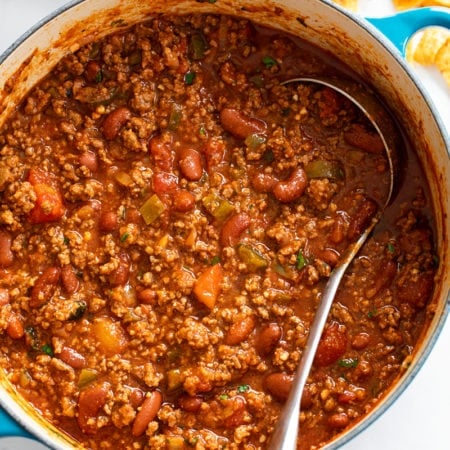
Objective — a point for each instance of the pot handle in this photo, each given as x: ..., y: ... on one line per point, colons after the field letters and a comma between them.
x: 9, y: 427
x: 399, y: 27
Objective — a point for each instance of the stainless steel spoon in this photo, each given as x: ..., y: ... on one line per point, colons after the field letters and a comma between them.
x: 286, y: 431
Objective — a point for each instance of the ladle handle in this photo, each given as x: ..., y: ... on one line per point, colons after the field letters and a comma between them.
x: 285, y: 434
x: 399, y: 27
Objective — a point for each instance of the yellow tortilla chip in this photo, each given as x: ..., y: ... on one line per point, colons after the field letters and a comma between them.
x: 433, y: 38
x: 443, y: 57
x: 352, y: 5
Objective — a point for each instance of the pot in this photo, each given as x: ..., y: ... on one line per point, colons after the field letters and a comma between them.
x: 355, y: 41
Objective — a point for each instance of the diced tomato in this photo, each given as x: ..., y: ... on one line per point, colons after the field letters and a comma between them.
x: 49, y: 203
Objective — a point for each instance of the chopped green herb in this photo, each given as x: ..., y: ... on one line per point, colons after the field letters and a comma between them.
x: 269, y: 62
x: 223, y: 397
x: 66, y: 240
x: 47, y: 349
x: 124, y: 237
x: 348, y: 363
x: 243, y: 388
x: 202, y: 131
x: 189, y: 78
x: 191, y: 442
x: 32, y: 337
x: 78, y: 311
x: 301, y: 260
x: 390, y: 247
x: 98, y: 76
x: 372, y: 313
x: 215, y: 260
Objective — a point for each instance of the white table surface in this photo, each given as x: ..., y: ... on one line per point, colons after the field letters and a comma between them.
x: 420, y: 418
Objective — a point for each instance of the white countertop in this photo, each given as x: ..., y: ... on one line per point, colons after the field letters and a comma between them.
x: 419, y: 419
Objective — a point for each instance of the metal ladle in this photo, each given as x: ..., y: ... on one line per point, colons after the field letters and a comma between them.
x: 286, y: 431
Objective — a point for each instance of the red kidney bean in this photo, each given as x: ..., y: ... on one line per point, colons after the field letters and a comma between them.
x: 236, y: 418
x: 90, y: 401
x: 72, y: 358
x: 264, y: 182
x: 346, y: 397
x: 190, y: 403
x: 338, y: 421
x: 92, y: 71
x: 108, y: 221
x: 278, y: 384
x: 358, y: 136
x: 120, y: 276
x: 45, y: 287
x: 114, y: 121
x: 337, y: 234
x: 146, y: 296
x: 4, y: 296
x: 361, y: 218
x: 240, y: 330
x: 416, y: 291
x: 6, y: 254
x: 289, y: 190
x: 136, y: 397
x: 89, y: 159
x: 267, y: 338
x: 183, y: 201
x: 332, y: 345
x: 15, y: 329
x: 191, y: 164
x: 161, y: 151
x: 147, y: 413
x: 214, y: 152
x: 163, y: 182
x: 307, y: 398
x: 239, y: 124
x: 69, y: 279
x: 233, y: 228
x: 330, y: 256
x: 360, y: 341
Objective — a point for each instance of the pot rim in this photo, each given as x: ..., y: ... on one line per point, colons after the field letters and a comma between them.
x: 38, y: 430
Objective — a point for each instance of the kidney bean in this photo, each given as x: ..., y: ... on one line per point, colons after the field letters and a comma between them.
x: 45, y: 286
x: 108, y: 221
x: 346, y: 397
x: 163, y: 182
x: 361, y: 218
x: 332, y: 345
x: 93, y: 71
x: 190, y: 403
x: 114, y: 121
x: 278, y: 384
x: 267, y: 338
x: 240, y: 330
x: 120, y: 276
x: 136, y: 397
x: 416, y: 290
x: 338, y: 421
x: 239, y: 124
x: 264, y: 182
x: 337, y: 234
x: 6, y: 254
x: 4, y: 296
x: 89, y: 160
x: 236, y: 418
x: 147, y: 413
x: 330, y: 256
x: 191, y: 164
x: 233, y: 228
x: 358, y: 136
x: 69, y: 279
x: 147, y: 296
x: 307, y: 398
x: 72, y: 358
x: 214, y: 152
x: 161, y: 151
x: 15, y: 329
x: 90, y: 401
x: 289, y: 190
x: 183, y: 201
x: 360, y: 341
